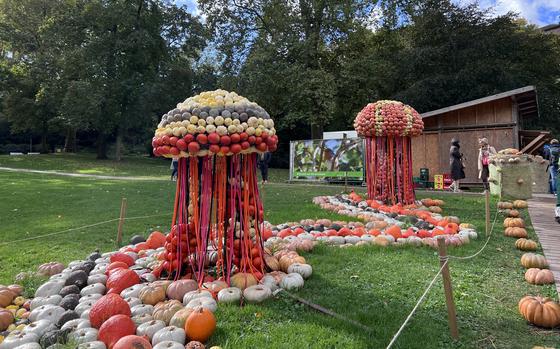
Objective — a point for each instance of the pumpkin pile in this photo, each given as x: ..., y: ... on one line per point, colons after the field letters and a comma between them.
x: 387, y: 127
x: 398, y: 224
x: 14, y: 310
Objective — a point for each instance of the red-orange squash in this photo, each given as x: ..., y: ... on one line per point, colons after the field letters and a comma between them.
x: 122, y: 257
x: 156, y: 240
x: 132, y: 342
x: 120, y: 279
x: 106, y: 307
x: 115, y: 328
x: 394, y: 231
x: 200, y: 325
x: 541, y: 311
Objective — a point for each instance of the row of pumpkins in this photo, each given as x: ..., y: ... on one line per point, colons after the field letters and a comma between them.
x: 113, y: 300
x: 386, y: 225
x: 540, y: 311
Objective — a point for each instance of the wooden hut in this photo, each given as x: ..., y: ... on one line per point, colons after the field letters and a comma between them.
x: 500, y: 118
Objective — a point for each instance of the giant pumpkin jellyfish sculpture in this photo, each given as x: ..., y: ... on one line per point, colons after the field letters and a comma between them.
x: 218, y: 216
x: 388, y: 127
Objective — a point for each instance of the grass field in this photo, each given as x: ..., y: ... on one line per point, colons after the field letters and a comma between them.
x: 374, y: 286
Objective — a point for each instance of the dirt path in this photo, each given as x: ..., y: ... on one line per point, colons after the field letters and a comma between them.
x: 83, y: 175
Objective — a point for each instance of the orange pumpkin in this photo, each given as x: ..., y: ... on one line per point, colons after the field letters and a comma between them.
x: 6, y: 319
x: 200, y: 325
x: 538, y: 276
x: 533, y: 260
x: 156, y: 240
x: 394, y: 231
x: 6, y: 297
x: 152, y: 294
x: 515, y: 232
x: 526, y: 245
x: 541, y: 311
x: 514, y: 222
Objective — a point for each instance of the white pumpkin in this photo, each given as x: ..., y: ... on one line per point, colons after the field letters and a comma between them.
x: 132, y: 291
x: 84, y: 335
x: 336, y: 240
x: 367, y: 238
x: 38, y: 327
x: 257, y: 293
x: 29, y: 346
x: 169, y: 333
x: 98, y: 288
x: 351, y: 239
x: 305, y: 270
x: 101, y: 260
x: 59, y: 277
x: 17, y: 338
x: 142, y: 309
x: 149, y: 277
x: 292, y: 281
x: 50, y: 288
x: 270, y: 281
x: 143, y: 262
x: 48, y: 312
x: 189, y: 296
x: 85, y: 314
x: 73, y: 264
x: 97, y: 279
x: 133, y: 301
x: 39, y: 301
x: 90, y: 298
x: 169, y: 345
x: 150, y: 328
x: 231, y: 295
x: 205, y: 302
x: 141, y: 319
x: 72, y: 324
x: 92, y: 345
x: 83, y: 306
x: 132, y: 254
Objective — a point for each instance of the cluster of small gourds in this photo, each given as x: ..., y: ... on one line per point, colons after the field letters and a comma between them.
x: 14, y: 310
x: 540, y: 311
x: 388, y: 118
x: 214, y: 122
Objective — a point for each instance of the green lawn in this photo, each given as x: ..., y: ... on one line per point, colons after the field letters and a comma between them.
x: 375, y: 286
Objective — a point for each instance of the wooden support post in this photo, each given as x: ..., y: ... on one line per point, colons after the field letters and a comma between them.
x: 121, y: 222
x: 487, y: 198
x: 451, y: 312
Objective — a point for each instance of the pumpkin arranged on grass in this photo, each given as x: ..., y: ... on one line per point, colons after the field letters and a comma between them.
x: 179, y: 288
x: 435, y: 209
x: 115, y: 328
x: 514, y: 222
x: 6, y: 297
x: 504, y: 205
x: 51, y: 268
x: 289, y: 259
x: 200, y: 325
x: 538, y: 276
x: 520, y: 204
x: 533, y: 260
x: 106, y: 307
x: 132, y: 342
x: 152, y: 294
x: 511, y: 213
x: 6, y: 319
x: 180, y: 317
x: 243, y: 280
x: 515, y: 232
x: 540, y: 311
x: 164, y: 311
x: 526, y: 245
x: 121, y: 279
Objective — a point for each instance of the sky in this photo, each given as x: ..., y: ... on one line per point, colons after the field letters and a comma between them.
x: 539, y: 12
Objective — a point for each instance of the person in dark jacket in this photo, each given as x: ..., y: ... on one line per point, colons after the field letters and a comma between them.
x: 263, y: 162
x: 552, y: 154
x: 456, y: 165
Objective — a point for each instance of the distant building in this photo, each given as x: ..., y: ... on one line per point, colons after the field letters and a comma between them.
x: 551, y: 29
x: 502, y: 118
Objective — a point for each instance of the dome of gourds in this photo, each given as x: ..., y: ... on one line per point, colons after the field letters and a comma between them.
x: 214, y: 122
x: 388, y: 118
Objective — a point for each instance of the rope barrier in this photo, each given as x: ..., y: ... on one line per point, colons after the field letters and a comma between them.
x: 394, y: 339
x: 78, y: 228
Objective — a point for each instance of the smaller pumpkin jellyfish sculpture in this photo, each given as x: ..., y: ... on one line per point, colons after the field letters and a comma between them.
x: 388, y: 128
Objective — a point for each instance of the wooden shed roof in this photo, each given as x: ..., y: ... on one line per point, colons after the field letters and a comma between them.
x: 526, y: 98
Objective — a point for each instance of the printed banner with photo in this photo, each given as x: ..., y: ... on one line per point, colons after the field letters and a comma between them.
x: 324, y: 159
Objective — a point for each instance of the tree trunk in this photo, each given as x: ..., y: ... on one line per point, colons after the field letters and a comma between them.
x: 101, y: 146
x: 70, y: 140
x: 119, y: 145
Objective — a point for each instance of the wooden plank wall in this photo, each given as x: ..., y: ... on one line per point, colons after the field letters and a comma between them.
x: 431, y: 150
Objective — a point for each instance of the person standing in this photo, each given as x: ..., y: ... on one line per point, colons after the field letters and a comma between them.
x: 263, y: 162
x: 484, y: 153
x: 174, y: 167
x: 553, y: 155
x: 456, y: 165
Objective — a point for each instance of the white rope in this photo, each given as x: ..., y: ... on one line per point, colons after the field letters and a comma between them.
x: 483, y: 247
x: 82, y: 227
x: 416, y: 306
